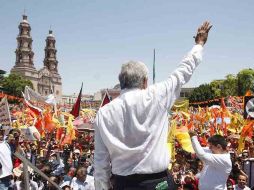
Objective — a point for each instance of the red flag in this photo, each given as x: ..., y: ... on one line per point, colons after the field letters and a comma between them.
x: 223, y: 105
x: 76, y: 107
x: 106, y: 99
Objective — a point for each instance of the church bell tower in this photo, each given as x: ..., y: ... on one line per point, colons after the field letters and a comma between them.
x: 24, y: 64
x: 50, y: 61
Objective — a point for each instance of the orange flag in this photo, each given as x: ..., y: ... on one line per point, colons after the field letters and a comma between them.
x: 59, y: 133
x: 39, y: 126
x: 247, y: 130
x: 49, y: 124
x: 68, y: 137
x: 248, y: 93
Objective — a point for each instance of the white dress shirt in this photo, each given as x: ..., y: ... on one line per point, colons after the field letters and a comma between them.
x: 217, y: 168
x: 131, y: 131
x: 5, y: 159
x: 19, y: 186
x: 79, y: 185
x: 238, y: 188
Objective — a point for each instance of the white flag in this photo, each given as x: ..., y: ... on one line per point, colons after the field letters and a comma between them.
x: 31, y: 95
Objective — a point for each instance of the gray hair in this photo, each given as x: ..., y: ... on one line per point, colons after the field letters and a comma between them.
x: 132, y: 74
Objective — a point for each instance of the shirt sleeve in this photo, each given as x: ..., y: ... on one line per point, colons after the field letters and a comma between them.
x: 169, y: 90
x: 102, y: 168
x: 216, y: 160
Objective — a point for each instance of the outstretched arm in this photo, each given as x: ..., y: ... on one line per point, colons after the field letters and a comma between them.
x: 216, y: 160
x: 169, y: 90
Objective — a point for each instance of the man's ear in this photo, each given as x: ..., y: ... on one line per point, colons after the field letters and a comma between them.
x: 145, y: 83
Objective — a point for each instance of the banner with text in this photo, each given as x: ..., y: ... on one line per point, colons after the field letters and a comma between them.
x: 5, y: 117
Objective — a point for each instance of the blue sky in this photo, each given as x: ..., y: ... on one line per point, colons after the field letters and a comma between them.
x: 95, y: 37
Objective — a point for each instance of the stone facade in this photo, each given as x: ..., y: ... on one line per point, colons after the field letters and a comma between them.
x: 46, y: 80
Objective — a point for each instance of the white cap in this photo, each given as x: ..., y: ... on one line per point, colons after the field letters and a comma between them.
x: 77, y: 151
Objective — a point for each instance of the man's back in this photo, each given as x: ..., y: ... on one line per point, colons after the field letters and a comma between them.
x: 134, y: 129
x: 131, y: 131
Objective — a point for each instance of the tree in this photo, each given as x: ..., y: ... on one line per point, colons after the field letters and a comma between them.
x: 14, y: 84
x: 245, y: 81
x: 229, y: 86
x: 202, y: 93
x: 2, y: 73
x: 217, y: 86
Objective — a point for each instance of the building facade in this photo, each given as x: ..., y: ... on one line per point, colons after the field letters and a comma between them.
x: 47, y: 80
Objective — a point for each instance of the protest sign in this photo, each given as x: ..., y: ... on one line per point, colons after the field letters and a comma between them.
x: 5, y: 118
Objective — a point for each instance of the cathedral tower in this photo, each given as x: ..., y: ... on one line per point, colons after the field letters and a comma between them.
x: 24, y: 64
x: 50, y: 60
x: 49, y: 79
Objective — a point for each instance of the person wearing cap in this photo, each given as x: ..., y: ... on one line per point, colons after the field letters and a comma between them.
x: 131, y: 131
x: 217, y: 162
x: 76, y: 151
x: 76, y: 158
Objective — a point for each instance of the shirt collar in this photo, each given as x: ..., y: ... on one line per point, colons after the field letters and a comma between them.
x: 123, y: 91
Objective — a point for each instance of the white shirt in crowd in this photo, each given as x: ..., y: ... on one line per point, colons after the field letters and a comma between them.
x: 217, y: 168
x: 131, y: 131
x: 79, y: 185
x: 5, y: 160
x: 33, y: 185
x: 238, y: 188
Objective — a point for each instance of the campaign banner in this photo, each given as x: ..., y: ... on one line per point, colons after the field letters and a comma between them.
x: 30, y: 133
x: 5, y: 117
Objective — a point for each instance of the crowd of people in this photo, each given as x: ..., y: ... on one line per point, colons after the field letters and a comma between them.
x: 187, y: 167
x: 128, y: 150
x: 71, y: 166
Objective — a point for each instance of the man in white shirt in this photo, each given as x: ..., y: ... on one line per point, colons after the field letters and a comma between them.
x: 6, y: 165
x: 80, y: 182
x: 131, y: 131
x: 241, y: 183
x: 217, y: 162
x: 6, y: 148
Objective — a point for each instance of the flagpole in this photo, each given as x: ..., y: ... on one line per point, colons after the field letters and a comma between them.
x: 9, y: 114
x: 153, y: 66
x: 80, y: 105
